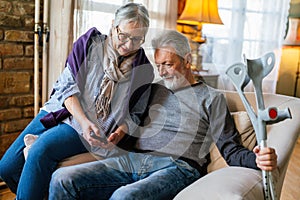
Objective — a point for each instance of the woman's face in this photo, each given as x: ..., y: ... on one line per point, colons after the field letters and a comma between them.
x: 128, y: 37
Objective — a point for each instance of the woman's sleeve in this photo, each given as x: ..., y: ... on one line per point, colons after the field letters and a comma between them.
x: 66, y: 85
x: 73, y: 76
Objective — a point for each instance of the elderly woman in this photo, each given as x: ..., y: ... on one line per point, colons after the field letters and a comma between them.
x: 90, y: 100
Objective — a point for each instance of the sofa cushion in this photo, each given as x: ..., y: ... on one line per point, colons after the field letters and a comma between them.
x: 248, y: 138
x: 232, y: 183
x: 245, y: 128
x: 79, y: 159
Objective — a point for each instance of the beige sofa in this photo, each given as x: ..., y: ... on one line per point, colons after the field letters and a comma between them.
x: 242, y: 183
x: 223, y: 182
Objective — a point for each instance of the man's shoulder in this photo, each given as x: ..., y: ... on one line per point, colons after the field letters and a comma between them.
x: 204, y: 88
x: 159, y: 86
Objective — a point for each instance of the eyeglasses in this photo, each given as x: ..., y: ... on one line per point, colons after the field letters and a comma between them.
x: 124, y: 37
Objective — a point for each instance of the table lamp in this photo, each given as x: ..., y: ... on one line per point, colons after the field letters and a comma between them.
x: 195, y: 13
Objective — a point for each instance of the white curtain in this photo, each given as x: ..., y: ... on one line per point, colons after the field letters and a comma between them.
x: 163, y: 13
x: 251, y: 29
x: 99, y: 13
x: 61, y: 37
x: 95, y: 13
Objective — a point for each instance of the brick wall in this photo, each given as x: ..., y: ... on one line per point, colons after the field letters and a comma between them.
x: 16, y: 68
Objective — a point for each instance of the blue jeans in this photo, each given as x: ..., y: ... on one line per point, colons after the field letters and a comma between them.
x: 131, y: 176
x: 30, y: 179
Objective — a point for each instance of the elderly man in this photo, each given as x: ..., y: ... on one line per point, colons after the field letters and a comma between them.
x: 172, y: 147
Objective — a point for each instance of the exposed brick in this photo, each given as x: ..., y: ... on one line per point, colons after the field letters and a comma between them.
x: 1, y: 34
x: 24, y: 100
x: 29, y: 22
x: 18, y: 36
x: 29, y: 50
x: 28, y: 112
x: 6, y: 141
x: 16, y: 68
x: 8, y: 114
x: 11, y: 49
x: 18, y: 63
x: 22, y: 8
x: 17, y: 125
x: 4, y: 101
x: 5, y: 6
x: 14, y: 82
x: 10, y: 20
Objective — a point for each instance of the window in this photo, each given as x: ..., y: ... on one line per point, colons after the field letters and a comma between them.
x: 251, y: 28
x: 95, y: 13
x: 100, y: 13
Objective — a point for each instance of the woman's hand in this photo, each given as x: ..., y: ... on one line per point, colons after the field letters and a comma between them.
x: 92, y: 135
x: 74, y: 107
x: 266, y: 158
x: 99, y: 140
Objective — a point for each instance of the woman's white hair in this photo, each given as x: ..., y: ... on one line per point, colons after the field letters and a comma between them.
x: 132, y: 12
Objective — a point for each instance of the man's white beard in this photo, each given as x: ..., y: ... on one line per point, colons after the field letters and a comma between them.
x: 176, y: 82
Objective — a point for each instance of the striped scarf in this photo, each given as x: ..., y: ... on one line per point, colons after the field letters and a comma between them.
x: 116, y: 69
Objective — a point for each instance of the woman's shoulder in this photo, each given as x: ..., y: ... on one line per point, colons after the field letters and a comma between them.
x: 91, y: 34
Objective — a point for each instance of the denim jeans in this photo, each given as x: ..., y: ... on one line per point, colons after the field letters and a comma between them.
x: 30, y: 179
x: 131, y: 176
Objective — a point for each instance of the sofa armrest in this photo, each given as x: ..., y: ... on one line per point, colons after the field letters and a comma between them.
x: 233, y: 183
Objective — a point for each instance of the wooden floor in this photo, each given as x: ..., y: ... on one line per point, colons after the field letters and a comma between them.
x: 291, y: 185
x: 290, y: 190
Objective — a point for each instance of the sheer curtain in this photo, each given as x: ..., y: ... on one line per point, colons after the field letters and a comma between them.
x: 251, y: 29
x: 99, y: 13
x: 163, y: 14
x: 68, y: 20
x: 60, y: 41
x: 95, y: 13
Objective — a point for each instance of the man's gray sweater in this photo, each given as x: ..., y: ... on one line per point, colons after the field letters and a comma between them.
x: 184, y: 123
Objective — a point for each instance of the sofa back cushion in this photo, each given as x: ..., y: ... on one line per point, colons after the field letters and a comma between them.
x: 248, y: 138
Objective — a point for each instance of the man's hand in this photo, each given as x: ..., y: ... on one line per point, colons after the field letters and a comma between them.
x: 266, y: 158
x: 112, y: 140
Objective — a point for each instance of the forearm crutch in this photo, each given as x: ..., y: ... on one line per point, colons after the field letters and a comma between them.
x: 255, y: 70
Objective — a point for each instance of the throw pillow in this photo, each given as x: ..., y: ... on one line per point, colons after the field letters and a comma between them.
x: 248, y: 138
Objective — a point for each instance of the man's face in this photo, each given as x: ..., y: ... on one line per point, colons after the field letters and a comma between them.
x: 128, y: 37
x: 171, y: 68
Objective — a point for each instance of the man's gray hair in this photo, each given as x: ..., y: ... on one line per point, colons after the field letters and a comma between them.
x: 132, y: 12
x: 171, y: 38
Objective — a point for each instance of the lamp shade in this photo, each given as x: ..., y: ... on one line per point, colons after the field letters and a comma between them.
x: 200, y: 11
